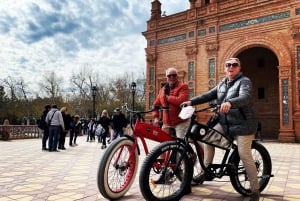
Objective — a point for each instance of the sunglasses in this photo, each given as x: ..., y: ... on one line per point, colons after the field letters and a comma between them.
x: 232, y: 64
x: 172, y: 75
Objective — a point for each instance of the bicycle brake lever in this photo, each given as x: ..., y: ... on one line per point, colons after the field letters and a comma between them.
x: 183, y: 105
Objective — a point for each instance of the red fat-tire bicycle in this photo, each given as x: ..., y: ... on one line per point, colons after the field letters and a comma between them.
x: 119, y: 164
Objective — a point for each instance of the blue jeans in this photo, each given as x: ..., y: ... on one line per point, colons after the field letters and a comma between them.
x: 54, y: 132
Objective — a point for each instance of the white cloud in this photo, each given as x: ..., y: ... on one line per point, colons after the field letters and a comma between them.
x: 38, y: 36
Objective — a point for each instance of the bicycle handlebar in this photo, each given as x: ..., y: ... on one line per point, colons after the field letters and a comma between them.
x: 214, y: 107
x: 125, y: 106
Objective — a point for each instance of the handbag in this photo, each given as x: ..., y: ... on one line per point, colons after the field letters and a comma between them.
x: 216, y: 136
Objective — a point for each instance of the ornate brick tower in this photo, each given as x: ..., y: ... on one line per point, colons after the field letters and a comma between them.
x: 264, y: 34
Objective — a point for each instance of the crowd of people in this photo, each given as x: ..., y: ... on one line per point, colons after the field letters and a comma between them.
x: 57, y: 124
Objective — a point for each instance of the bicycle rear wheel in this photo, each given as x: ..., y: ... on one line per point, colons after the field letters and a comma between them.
x: 160, y: 179
x: 117, y: 169
x: 262, y: 159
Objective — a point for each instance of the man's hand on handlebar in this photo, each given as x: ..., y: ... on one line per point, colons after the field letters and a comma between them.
x: 225, y: 107
x: 156, y: 121
x: 186, y: 103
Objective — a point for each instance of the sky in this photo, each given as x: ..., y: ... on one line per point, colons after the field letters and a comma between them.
x: 64, y: 36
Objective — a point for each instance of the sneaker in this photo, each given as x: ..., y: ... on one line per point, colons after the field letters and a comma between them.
x: 44, y: 149
x: 254, y: 197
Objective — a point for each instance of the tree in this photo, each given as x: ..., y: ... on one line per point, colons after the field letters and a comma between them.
x: 10, y: 83
x: 51, y: 85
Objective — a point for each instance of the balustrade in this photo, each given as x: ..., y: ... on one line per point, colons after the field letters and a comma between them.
x: 20, y: 132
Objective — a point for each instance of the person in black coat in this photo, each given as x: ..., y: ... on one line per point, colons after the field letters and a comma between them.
x: 119, y: 123
x: 43, y: 125
x: 67, y: 120
x: 105, y: 122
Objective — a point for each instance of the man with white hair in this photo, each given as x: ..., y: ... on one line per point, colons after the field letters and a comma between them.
x: 171, y: 95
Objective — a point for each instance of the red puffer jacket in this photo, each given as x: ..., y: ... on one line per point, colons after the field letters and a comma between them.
x: 177, y: 95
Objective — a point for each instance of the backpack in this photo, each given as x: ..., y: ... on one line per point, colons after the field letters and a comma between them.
x: 42, y: 123
x: 99, y: 130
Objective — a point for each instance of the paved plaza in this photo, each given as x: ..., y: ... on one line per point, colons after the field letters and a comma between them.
x: 28, y: 173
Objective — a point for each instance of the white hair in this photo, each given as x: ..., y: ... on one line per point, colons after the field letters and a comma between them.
x: 171, y: 69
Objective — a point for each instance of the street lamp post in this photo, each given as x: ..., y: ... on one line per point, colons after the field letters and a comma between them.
x: 94, y: 91
x: 133, y: 90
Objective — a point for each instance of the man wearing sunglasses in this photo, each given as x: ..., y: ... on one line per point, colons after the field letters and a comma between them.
x: 237, y: 117
x: 170, y: 96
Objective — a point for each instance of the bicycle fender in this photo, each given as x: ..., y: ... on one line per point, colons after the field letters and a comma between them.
x: 132, y: 139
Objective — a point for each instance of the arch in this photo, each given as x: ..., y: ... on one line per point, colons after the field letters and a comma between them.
x: 274, y: 44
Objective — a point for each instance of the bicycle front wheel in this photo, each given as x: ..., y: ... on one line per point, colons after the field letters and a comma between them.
x: 263, y: 163
x: 117, y: 169
x: 166, y: 173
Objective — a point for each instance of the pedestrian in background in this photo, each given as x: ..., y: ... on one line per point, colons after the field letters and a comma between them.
x: 72, y: 131
x: 90, y: 130
x: 77, y: 128
x: 43, y: 125
x: 55, y: 122
x: 119, y: 124
x: 105, y: 122
x: 63, y: 134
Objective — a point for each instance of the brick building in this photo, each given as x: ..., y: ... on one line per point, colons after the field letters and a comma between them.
x: 264, y: 34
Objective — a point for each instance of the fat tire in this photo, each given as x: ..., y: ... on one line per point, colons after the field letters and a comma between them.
x: 113, y: 183
x: 263, y: 163
x: 179, y: 185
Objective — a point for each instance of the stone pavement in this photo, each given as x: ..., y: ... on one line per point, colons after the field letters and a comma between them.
x: 27, y: 173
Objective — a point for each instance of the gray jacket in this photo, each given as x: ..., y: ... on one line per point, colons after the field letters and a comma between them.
x: 241, y: 119
x: 57, y: 118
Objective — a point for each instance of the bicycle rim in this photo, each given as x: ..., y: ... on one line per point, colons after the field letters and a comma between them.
x: 160, y: 180
x: 117, y: 169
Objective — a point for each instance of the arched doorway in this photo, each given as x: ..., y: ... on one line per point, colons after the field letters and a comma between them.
x: 261, y: 66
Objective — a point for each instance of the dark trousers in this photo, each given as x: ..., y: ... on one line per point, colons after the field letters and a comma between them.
x: 71, y: 137
x: 103, y: 139
x: 62, y: 139
x: 45, y: 137
x: 75, y: 137
x: 92, y: 137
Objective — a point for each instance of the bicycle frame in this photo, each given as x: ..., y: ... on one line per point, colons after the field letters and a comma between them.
x: 143, y: 131
x: 218, y: 170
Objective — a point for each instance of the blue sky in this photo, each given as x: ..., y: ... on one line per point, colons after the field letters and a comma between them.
x: 40, y: 36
